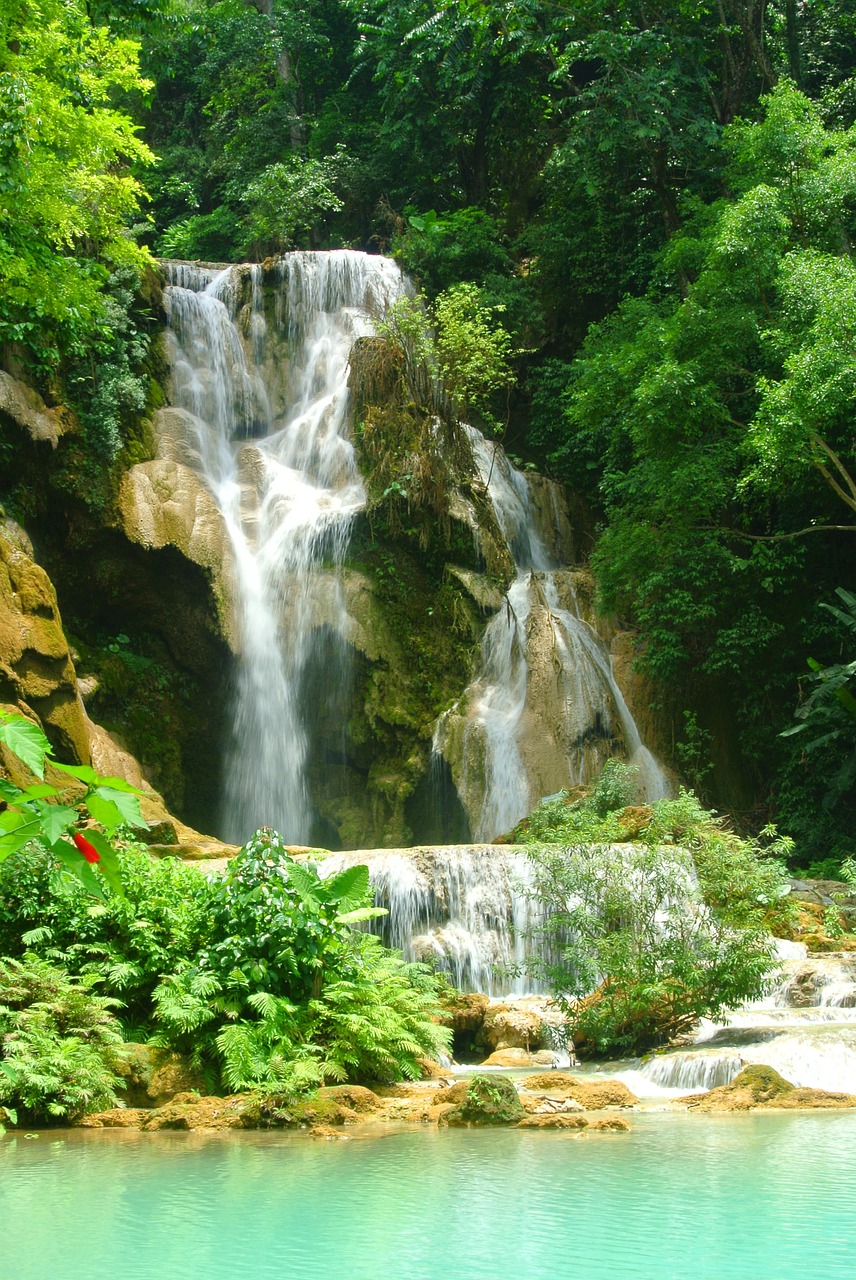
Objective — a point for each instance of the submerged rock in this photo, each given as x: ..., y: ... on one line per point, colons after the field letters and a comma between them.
x: 559, y: 1120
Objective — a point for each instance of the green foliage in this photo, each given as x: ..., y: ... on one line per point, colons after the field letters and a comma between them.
x: 287, y: 199
x: 829, y: 711
x: 653, y: 916
x: 48, y: 817
x: 284, y: 990
x: 489, y: 1100
x: 58, y: 1043
x: 638, y: 956
x: 474, y: 352
x: 67, y: 191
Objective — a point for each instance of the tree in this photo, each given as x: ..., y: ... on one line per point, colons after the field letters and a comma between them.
x: 67, y: 192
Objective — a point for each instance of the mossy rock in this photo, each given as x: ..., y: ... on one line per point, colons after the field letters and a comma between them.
x: 489, y: 1100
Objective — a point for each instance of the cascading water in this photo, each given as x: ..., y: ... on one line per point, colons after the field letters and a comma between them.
x: 805, y: 1029
x: 545, y: 710
x: 267, y: 428
x: 463, y: 908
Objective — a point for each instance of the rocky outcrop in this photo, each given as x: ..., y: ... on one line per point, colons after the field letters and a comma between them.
x: 592, y: 1095
x: 759, y: 1088
x: 37, y: 676
x: 163, y: 503
x: 488, y: 1100
x: 26, y: 407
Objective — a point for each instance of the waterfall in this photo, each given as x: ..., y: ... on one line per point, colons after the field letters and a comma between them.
x: 545, y: 710
x: 464, y: 908
x: 267, y: 420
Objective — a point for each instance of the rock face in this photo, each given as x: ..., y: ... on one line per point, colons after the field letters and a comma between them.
x: 759, y: 1087
x: 164, y: 503
x: 27, y: 408
x: 37, y: 675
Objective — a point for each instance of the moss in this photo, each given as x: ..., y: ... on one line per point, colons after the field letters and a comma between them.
x: 489, y: 1100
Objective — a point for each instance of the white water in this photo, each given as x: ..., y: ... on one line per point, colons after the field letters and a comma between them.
x: 805, y: 1029
x: 462, y: 907
x: 288, y: 498
x: 591, y: 717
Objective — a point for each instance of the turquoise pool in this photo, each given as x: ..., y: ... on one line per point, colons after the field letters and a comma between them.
x: 767, y: 1197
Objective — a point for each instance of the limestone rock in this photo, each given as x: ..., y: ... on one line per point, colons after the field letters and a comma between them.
x: 154, y: 1076
x: 116, y: 1118
x: 164, y: 503
x: 525, y: 1023
x: 27, y: 408
x: 37, y: 675
x: 609, y: 1124
x: 759, y: 1087
x: 354, y: 1096
x: 519, y: 1058
x: 554, y: 1121
x: 593, y: 1095
x: 489, y: 1100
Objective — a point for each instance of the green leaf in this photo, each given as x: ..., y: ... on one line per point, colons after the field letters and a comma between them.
x: 125, y: 799
x: 79, y: 867
x: 109, y: 863
x: 350, y: 885
x: 84, y: 772
x: 56, y: 819
x: 38, y: 792
x: 304, y: 883
x: 104, y: 811
x: 26, y: 741
x: 16, y: 829
x: 361, y: 913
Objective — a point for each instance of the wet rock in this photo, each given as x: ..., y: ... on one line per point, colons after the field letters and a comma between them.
x: 116, y: 1118
x: 519, y: 1058
x: 465, y: 1011
x: 489, y: 1100
x: 362, y: 1101
x: 758, y: 1087
x: 27, y: 408
x: 593, y: 1095
x: 153, y: 1076
x: 610, y: 1124
x: 558, y: 1120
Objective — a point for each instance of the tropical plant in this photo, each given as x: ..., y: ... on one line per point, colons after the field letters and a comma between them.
x: 634, y: 955
x: 49, y: 816
x: 58, y: 1043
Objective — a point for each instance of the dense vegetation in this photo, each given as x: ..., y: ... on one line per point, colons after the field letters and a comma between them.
x: 653, y: 916
x: 643, y: 217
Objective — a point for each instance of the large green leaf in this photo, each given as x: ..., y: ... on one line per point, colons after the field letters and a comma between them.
x: 84, y: 772
x: 15, y: 830
x: 72, y: 860
x: 361, y: 914
x: 305, y: 884
x: 126, y: 799
x: 109, y: 863
x: 27, y: 741
x: 105, y: 811
x: 55, y: 819
x: 350, y: 885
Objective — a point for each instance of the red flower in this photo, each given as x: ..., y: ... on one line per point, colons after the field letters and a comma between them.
x: 88, y: 850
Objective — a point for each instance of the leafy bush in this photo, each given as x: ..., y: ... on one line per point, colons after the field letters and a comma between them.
x: 284, y: 990
x: 654, y: 916
x: 634, y: 954
x: 58, y: 1043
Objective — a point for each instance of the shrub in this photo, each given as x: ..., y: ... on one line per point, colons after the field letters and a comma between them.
x: 58, y: 1043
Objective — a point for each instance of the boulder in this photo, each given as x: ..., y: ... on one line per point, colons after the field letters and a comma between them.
x: 354, y: 1096
x: 759, y: 1087
x: 519, y: 1058
x: 609, y: 1124
x: 593, y: 1095
x: 153, y: 1076
x: 489, y: 1100
x: 37, y: 676
x: 27, y: 408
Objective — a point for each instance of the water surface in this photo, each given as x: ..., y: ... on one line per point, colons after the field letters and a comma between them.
x: 766, y: 1197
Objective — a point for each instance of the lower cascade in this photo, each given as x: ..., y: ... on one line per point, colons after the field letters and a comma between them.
x: 462, y: 908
